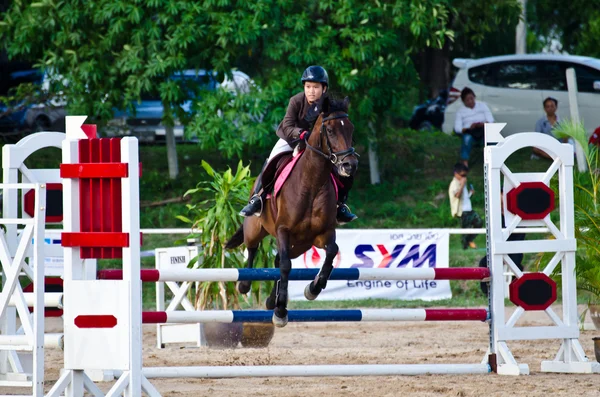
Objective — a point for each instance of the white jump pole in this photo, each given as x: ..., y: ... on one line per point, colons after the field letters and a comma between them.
x: 51, y: 299
x: 314, y: 370
x: 20, y: 342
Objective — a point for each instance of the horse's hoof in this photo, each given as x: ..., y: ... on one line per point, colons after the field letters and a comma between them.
x: 280, y: 322
x: 309, y: 295
x: 243, y: 287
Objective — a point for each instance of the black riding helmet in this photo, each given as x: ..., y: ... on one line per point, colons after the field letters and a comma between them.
x: 315, y: 74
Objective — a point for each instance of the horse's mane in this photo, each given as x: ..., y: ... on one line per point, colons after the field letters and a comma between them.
x: 332, y: 104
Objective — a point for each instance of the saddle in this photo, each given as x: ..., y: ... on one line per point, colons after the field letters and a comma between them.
x: 274, y: 169
x: 277, y: 172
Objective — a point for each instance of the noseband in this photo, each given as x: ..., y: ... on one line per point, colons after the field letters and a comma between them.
x: 336, y: 158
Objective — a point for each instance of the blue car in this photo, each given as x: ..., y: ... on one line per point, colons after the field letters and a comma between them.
x: 146, y: 122
x: 17, y: 119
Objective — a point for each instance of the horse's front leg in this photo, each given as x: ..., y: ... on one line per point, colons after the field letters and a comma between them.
x: 315, y: 287
x: 280, y: 314
x: 244, y: 286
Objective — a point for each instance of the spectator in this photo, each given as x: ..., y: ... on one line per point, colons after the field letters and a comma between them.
x: 460, y: 204
x: 546, y: 124
x: 469, y: 122
x: 595, y: 138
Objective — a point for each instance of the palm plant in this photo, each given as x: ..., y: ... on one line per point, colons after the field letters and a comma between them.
x: 214, y: 213
x: 587, y: 212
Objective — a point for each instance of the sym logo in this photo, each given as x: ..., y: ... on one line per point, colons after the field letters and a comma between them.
x: 367, y: 254
x: 315, y: 257
x: 176, y: 260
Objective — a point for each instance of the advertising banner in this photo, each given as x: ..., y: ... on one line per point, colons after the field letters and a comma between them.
x: 383, y: 248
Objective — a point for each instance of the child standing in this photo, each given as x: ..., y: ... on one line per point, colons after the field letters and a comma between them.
x: 460, y: 203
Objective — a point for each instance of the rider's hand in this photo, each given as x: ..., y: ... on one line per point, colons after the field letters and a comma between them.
x: 303, y: 135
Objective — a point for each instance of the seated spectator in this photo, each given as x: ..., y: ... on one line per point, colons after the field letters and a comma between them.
x: 460, y: 204
x: 469, y: 122
x: 595, y: 138
x: 546, y: 124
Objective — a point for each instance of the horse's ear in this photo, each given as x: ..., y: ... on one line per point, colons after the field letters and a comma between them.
x: 346, y: 103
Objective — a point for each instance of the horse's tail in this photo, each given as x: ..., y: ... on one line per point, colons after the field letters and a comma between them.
x: 237, y: 239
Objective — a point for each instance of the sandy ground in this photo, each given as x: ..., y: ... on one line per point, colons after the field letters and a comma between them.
x: 364, y: 343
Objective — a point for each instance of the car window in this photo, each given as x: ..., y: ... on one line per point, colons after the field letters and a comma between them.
x: 32, y: 76
x: 521, y: 75
x: 556, y: 78
x: 586, y: 77
x: 481, y: 75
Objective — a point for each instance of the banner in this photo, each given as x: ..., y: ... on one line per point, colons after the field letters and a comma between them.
x: 383, y: 248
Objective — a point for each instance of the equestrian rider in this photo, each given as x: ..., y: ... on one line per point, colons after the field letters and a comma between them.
x: 298, y: 121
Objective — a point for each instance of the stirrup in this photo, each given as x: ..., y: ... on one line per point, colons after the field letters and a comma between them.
x: 254, y: 206
x: 344, y: 215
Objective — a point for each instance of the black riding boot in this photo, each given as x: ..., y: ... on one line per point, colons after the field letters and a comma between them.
x: 255, y: 205
x: 344, y: 215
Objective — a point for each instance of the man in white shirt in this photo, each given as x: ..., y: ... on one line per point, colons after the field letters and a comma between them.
x: 469, y: 122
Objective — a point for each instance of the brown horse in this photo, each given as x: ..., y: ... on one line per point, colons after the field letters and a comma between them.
x: 306, y: 207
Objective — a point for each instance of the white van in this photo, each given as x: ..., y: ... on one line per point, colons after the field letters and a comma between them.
x: 514, y: 87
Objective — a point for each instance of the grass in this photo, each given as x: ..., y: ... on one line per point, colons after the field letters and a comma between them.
x: 416, y: 169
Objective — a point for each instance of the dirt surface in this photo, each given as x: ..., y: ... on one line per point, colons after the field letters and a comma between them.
x: 364, y: 343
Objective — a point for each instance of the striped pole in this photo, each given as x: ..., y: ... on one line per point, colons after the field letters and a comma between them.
x: 314, y: 370
x: 191, y: 275
x: 265, y: 316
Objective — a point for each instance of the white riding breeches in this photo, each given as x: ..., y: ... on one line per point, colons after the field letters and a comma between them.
x: 280, y: 147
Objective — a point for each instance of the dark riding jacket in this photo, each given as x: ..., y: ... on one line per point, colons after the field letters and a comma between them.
x: 294, y: 123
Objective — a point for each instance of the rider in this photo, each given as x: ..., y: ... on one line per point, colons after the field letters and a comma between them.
x: 296, y: 124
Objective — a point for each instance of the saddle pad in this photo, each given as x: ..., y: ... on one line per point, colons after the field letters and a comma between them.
x: 287, y: 170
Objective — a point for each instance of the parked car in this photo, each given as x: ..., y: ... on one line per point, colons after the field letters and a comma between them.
x: 25, y: 118
x: 146, y: 122
x: 514, y: 87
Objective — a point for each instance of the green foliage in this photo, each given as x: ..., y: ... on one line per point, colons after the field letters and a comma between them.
x: 587, y: 212
x: 113, y: 51
x: 216, y: 219
x: 476, y: 24
x: 575, y: 24
x: 230, y: 122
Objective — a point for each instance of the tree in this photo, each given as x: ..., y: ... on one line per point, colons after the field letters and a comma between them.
x: 480, y: 29
x: 574, y: 24
x: 363, y: 44
x: 112, y: 51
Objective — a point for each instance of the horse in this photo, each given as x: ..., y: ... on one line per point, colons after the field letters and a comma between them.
x: 304, y: 212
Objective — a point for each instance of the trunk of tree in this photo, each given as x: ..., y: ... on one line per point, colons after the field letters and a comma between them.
x: 373, y: 158
x: 521, y: 31
x: 433, y: 66
x: 171, y: 152
x: 440, y: 70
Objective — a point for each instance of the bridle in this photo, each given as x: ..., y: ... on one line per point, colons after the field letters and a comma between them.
x: 336, y: 158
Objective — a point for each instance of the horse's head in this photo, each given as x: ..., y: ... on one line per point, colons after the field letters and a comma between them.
x: 332, y: 136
